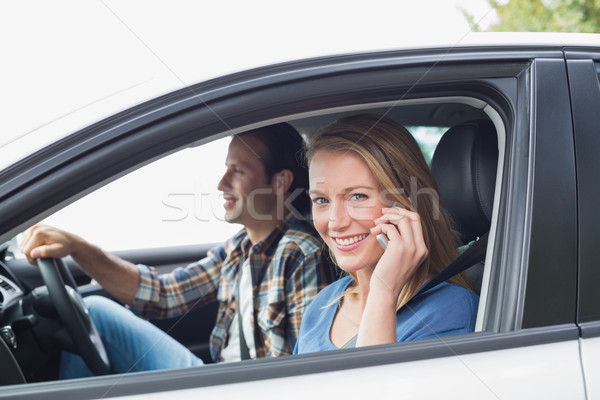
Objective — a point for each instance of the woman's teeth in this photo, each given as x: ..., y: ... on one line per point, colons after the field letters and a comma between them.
x: 350, y: 240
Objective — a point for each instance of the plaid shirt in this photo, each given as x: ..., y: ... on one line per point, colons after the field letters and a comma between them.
x: 288, y: 267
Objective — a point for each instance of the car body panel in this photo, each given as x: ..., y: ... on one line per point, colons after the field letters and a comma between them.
x: 476, y: 376
x: 590, y: 359
x: 481, y: 366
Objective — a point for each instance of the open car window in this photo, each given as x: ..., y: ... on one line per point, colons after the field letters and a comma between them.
x: 173, y: 201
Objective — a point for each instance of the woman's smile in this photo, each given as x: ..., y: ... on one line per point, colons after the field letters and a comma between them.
x: 349, y: 242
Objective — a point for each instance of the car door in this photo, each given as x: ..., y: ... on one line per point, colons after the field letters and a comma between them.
x: 584, y: 78
x: 526, y: 344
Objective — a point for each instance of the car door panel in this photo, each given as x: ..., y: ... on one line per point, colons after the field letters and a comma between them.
x: 590, y: 357
x: 533, y: 363
x: 547, y: 371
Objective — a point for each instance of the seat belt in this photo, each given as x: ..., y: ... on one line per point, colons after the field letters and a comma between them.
x: 473, y: 255
x: 244, y: 351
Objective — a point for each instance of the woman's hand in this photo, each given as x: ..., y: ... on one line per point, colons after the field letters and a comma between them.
x: 406, y: 249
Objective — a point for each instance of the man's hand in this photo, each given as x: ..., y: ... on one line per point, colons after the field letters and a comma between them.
x: 119, y: 277
x: 43, y: 241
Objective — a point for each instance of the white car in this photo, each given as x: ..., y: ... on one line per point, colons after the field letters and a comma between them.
x: 526, y: 172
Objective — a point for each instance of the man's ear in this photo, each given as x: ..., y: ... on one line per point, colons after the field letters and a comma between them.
x: 282, y: 181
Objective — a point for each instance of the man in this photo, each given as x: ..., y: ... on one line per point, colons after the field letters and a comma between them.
x: 267, y: 273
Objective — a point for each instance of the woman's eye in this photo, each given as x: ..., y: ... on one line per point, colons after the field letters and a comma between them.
x: 358, y: 196
x: 319, y: 200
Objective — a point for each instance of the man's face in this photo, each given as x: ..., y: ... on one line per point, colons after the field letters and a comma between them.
x: 249, y: 198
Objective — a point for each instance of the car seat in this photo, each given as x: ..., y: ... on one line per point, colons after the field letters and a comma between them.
x: 464, y: 164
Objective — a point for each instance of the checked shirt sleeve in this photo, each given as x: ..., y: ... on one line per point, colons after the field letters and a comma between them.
x: 308, y: 274
x: 172, y: 294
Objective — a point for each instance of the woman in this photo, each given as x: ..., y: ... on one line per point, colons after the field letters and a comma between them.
x: 369, y: 177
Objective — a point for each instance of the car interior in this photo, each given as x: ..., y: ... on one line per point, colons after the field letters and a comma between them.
x: 465, y: 154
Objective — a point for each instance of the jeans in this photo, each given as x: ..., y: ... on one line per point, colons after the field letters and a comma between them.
x: 132, y: 343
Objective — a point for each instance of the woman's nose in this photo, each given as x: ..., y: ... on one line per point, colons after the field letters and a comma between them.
x: 338, y: 217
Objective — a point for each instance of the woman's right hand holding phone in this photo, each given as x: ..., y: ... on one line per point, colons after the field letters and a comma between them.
x: 405, y: 250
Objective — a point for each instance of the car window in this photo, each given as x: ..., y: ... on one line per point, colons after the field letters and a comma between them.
x: 170, y: 202
x: 428, y: 137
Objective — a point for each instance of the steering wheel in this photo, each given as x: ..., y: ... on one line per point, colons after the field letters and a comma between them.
x: 74, y: 315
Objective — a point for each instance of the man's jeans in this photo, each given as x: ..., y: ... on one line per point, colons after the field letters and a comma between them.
x: 132, y: 343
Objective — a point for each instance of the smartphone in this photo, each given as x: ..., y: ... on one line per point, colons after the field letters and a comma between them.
x: 383, y: 240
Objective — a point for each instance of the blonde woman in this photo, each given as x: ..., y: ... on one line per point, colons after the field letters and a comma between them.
x: 369, y: 177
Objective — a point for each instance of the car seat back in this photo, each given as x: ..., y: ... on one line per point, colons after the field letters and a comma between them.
x: 464, y: 164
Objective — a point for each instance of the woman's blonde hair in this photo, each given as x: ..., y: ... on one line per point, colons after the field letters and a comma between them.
x: 397, y: 162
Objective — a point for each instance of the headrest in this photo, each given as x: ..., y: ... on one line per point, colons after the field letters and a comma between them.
x: 464, y: 165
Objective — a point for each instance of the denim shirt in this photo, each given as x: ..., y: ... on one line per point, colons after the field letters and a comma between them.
x: 445, y: 309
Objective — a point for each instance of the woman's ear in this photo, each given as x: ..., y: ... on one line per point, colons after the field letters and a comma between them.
x: 282, y: 181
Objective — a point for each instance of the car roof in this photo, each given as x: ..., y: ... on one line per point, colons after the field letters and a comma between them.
x: 123, y: 87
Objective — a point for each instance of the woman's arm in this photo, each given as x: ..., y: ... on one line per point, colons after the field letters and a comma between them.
x: 405, y: 252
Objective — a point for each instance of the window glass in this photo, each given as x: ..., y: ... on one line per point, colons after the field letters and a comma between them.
x: 173, y: 201
x: 428, y: 137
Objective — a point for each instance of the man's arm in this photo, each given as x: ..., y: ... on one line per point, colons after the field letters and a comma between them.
x: 119, y: 277
x: 172, y: 294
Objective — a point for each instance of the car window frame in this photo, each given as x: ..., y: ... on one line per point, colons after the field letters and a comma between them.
x: 584, y: 74
x: 552, y: 263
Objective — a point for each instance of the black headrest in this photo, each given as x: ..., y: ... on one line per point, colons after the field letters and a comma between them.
x: 464, y: 165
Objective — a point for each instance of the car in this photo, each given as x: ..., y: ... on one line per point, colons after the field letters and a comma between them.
x: 527, y: 111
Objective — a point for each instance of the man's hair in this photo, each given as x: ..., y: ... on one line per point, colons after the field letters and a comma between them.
x: 285, y: 149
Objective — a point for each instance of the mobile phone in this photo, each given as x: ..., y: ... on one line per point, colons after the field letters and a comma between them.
x: 383, y: 240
